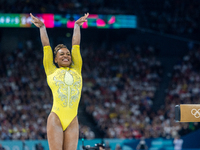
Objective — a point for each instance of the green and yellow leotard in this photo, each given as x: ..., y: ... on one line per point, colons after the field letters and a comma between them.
x: 65, y: 84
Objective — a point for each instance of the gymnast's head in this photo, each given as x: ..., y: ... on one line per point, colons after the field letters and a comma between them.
x: 62, y: 56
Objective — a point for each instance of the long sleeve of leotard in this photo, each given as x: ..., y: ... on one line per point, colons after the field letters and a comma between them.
x: 76, y: 58
x: 49, y: 66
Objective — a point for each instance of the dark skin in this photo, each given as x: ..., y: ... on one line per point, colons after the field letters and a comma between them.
x: 57, y: 138
x: 63, y: 58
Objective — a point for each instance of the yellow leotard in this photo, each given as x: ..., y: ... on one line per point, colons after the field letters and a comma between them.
x: 65, y: 84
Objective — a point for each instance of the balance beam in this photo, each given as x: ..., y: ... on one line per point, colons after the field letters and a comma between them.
x: 187, y: 113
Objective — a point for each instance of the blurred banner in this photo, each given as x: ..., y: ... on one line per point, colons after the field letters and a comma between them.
x: 68, y: 20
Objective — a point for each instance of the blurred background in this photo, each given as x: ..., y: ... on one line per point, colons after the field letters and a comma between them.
x: 141, y: 58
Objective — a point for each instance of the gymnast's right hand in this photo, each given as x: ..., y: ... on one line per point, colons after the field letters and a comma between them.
x: 37, y: 22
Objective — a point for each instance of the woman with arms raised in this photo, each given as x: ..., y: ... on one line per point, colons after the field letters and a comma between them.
x: 65, y: 82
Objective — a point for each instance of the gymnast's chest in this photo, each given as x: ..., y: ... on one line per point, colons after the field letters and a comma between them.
x: 64, y: 78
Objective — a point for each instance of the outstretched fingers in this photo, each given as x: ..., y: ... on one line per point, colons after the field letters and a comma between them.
x: 85, y: 16
x: 33, y: 18
x: 31, y: 15
x: 36, y: 21
x: 83, y: 19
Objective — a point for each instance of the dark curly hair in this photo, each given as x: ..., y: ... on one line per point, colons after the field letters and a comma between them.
x: 58, y: 47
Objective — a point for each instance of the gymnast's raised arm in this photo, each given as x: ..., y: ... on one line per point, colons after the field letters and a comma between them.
x: 43, y: 33
x: 77, y: 34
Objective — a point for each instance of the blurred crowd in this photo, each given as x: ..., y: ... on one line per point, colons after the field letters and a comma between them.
x: 184, y: 88
x: 166, y: 16
x: 25, y: 97
x: 62, y: 6
x: 120, y: 89
x: 119, y: 80
x: 172, y: 16
x: 119, y: 85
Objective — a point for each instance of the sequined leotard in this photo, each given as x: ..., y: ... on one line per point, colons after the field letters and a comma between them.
x: 65, y: 84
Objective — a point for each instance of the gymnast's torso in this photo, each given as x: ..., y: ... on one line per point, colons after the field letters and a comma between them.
x: 65, y: 84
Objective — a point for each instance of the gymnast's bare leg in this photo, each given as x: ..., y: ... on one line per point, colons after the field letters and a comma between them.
x: 59, y: 139
x: 71, y: 135
x: 54, y: 132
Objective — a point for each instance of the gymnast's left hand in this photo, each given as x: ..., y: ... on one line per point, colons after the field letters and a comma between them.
x: 83, y: 19
x: 37, y: 22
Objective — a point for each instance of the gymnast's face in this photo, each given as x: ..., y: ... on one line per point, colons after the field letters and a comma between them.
x: 63, y: 58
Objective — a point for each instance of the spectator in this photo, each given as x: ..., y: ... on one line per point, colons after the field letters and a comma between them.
x: 142, y: 145
x: 118, y: 147
x: 178, y: 142
x: 39, y: 146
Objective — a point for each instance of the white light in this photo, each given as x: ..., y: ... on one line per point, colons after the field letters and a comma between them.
x: 7, y: 19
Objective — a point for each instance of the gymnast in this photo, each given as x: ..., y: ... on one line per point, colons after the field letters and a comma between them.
x: 65, y: 82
